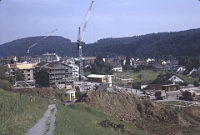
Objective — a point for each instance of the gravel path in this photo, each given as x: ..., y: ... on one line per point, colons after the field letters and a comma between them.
x: 46, y: 125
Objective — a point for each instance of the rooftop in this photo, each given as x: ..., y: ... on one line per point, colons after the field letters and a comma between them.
x: 96, y: 76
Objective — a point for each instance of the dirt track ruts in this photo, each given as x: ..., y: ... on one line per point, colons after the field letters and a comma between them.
x: 46, y: 125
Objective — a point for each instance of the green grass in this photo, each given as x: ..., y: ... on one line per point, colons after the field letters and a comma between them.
x: 187, y: 79
x: 17, y: 120
x: 147, y: 75
x: 80, y: 119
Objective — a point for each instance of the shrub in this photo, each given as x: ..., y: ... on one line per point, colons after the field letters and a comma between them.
x: 196, y: 84
x: 183, y: 84
x: 6, y: 85
x: 136, y: 85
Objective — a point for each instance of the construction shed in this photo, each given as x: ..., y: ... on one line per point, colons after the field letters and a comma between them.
x: 170, y: 87
x: 96, y: 78
x: 68, y: 95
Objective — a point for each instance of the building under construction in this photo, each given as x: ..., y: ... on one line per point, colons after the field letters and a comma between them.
x: 53, y: 74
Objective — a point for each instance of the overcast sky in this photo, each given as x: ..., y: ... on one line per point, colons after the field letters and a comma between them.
x: 109, y: 18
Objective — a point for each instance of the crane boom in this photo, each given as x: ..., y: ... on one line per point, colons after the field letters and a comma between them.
x: 40, y: 40
x: 86, y: 21
x: 80, y: 39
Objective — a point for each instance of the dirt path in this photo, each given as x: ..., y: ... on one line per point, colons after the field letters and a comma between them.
x: 46, y: 125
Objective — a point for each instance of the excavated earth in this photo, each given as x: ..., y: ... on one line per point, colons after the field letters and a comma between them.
x: 42, y: 92
x: 108, y: 124
x: 146, y: 114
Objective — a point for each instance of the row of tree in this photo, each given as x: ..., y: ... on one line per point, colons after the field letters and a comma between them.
x: 189, y: 62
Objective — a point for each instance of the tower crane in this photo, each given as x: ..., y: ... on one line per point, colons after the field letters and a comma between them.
x: 80, y: 39
x: 28, y: 48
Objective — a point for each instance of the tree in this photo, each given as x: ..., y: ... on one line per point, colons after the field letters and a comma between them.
x: 101, y: 67
x: 4, y: 73
x: 127, y: 65
x: 140, y: 76
x: 196, y: 62
x: 196, y: 83
x: 184, y: 61
x: 19, y: 75
x: 5, y: 85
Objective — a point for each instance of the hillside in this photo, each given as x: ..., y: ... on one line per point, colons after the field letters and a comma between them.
x: 142, y: 112
x: 51, y: 44
x: 160, y: 45
x: 19, y: 112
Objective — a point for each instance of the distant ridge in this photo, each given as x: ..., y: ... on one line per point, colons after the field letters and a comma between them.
x: 162, y: 44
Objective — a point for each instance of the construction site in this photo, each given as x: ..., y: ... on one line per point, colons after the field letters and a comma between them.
x: 168, y: 111
x: 172, y: 115
x: 175, y: 118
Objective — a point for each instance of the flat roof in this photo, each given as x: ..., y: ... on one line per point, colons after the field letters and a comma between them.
x: 170, y: 85
x: 22, y: 65
x: 70, y: 91
x: 25, y: 66
x: 95, y: 76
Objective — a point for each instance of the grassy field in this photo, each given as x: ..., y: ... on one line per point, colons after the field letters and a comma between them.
x: 79, y: 119
x: 18, y: 114
x: 146, y: 75
x: 187, y: 79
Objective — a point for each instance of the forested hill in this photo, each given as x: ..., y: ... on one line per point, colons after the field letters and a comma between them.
x: 172, y: 44
x: 51, y: 44
x: 161, y: 45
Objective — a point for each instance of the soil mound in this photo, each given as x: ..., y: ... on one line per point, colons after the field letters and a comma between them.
x: 141, y: 112
x: 42, y: 92
x: 108, y: 124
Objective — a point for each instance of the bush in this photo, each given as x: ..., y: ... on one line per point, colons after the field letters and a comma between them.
x: 136, y: 85
x: 196, y: 84
x: 5, y: 85
x: 79, y: 94
x: 183, y: 84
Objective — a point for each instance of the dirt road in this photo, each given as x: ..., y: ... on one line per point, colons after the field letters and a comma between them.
x: 46, y: 125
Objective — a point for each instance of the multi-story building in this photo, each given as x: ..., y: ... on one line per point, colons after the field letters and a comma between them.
x: 47, y: 57
x: 27, y: 70
x: 53, y: 74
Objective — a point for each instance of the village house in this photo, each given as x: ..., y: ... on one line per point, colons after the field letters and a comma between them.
x: 140, y: 62
x: 117, y: 67
x: 170, y: 87
x: 192, y: 71
x: 180, y: 70
x: 175, y: 79
x: 88, y: 60
x: 145, y: 84
x: 195, y: 74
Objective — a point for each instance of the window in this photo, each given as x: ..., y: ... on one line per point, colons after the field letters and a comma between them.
x: 29, y: 75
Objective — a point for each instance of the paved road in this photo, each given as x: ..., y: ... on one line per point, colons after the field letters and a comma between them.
x: 46, y: 125
x: 172, y: 95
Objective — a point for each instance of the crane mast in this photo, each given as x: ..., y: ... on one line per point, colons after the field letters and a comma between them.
x: 80, y: 39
